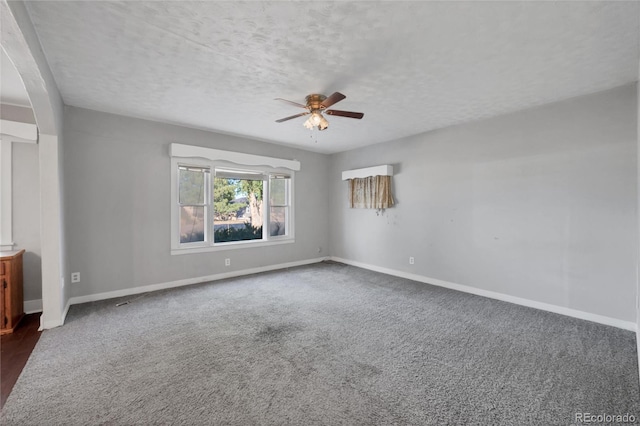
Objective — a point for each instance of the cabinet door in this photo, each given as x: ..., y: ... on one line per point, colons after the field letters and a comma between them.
x: 4, y: 299
x: 11, y: 300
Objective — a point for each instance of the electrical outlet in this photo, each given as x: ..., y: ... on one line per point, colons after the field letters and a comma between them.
x: 75, y: 277
x: 227, y: 262
x: 411, y: 260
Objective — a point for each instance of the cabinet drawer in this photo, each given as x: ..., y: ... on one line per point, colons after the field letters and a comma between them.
x: 11, y: 295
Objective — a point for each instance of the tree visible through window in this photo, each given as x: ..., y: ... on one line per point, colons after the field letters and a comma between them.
x: 237, y: 209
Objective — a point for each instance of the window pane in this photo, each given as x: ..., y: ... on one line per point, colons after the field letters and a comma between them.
x: 191, y: 224
x: 237, y: 209
x: 278, y: 191
x: 192, y: 185
x: 278, y: 221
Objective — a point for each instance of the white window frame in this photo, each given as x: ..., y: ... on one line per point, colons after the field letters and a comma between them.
x: 187, y: 155
x: 207, y: 201
x: 288, y: 215
x: 10, y: 132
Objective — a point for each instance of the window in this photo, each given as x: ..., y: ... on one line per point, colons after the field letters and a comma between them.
x: 221, y: 205
x: 12, y: 132
x: 238, y: 205
x: 279, y: 205
x: 193, y: 201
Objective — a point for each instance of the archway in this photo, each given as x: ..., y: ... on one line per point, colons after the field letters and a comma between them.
x: 20, y: 42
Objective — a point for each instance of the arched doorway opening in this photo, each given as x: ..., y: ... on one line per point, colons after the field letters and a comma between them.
x: 21, y: 45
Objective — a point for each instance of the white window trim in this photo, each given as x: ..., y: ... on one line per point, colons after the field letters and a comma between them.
x: 291, y: 233
x: 10, y: 132
x: 207, y: 157
x: 175, y: 215
x: 6, y: 210
x: 231, y: 246
x: 19, y: 132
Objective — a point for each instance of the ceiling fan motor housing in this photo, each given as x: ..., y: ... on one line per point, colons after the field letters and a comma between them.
x: 314, y: 101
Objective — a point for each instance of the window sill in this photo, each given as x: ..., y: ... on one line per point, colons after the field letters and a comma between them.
x: 230, y: 246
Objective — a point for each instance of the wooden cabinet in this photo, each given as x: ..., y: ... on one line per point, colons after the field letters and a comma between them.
x: 11, y: 303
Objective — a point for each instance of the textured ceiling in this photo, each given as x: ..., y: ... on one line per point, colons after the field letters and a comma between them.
x: 409, y: 66
x: 12, y: 90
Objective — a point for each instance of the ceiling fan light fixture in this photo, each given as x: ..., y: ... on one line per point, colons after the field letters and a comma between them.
x: 316, y: 120
x: 323, y: 124
x: 308, y: 124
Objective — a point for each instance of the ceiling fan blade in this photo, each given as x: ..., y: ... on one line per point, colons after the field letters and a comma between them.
x: 293, y: 116
x: 335, y: 98
x: 349, y: 114
x: 291, y: 102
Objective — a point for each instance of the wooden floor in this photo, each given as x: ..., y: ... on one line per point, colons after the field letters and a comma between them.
x: 15, y: 349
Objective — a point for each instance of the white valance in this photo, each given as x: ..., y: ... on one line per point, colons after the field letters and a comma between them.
x: 190, y: 151
x: 15, y: 131
x: 382, y: 170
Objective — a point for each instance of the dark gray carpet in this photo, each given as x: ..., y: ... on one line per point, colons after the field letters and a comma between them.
x: 325, y: 344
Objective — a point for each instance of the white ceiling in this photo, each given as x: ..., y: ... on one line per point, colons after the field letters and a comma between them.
x: 12, y: 90
x: 409, y: 66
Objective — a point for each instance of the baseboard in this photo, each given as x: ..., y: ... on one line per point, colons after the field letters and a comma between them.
x: 32, y: 306
x: 638, y: 350
x: 66, y: 311
x: 638, y: 341
x: 626, y: 325
x: 188, y: 281
x: 46, y: 325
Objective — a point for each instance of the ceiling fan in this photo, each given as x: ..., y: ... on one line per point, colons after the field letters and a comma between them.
x: 316, y: 105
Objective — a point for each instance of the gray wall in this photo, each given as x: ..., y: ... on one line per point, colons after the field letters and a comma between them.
x: 539, y: 204
x: 17, y: 113
x: 26, y: 215
x: 638, y: 218
x: 117, y: 203
x: 25, y: 203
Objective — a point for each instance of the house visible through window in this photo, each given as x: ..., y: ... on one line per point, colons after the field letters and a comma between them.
x: 221, y: 205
